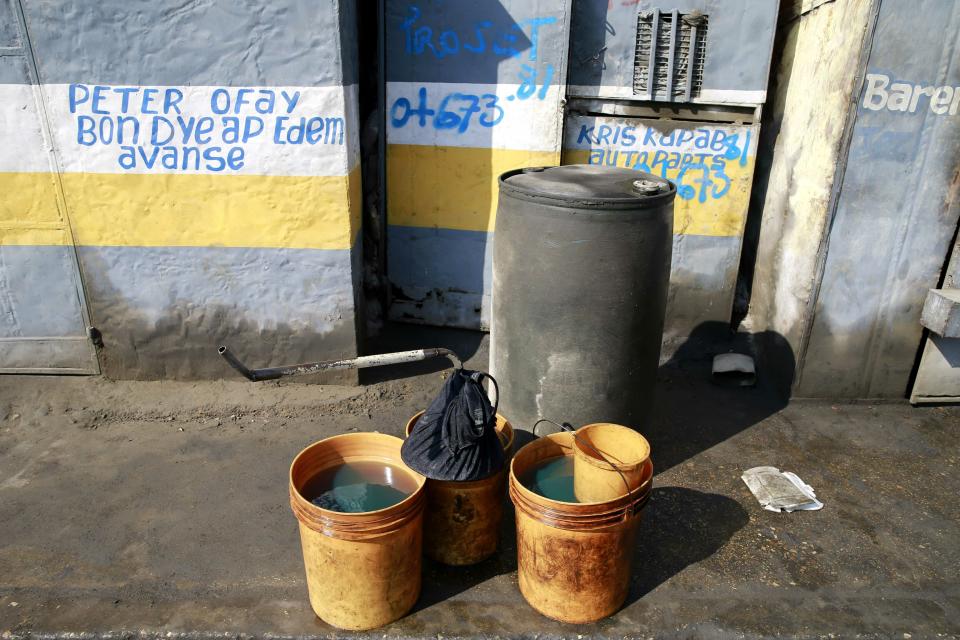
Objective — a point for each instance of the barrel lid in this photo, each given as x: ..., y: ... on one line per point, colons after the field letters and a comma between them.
x: 585, y: 184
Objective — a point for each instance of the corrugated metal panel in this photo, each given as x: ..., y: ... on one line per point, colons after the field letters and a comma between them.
x: 207, y: 161
x: 896, y: 212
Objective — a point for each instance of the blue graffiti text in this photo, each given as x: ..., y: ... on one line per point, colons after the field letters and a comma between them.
x: 454, y: 111
x: 479, y: 38
x: 156, y: 128
x: 700, y: 176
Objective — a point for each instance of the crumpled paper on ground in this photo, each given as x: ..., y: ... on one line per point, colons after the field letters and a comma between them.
x: 780, y: 491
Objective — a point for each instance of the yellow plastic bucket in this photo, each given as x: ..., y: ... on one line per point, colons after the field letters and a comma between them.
x: 462, y: 520
x: 573, y: 559
x: 363, y: 569
x: 626, y: 453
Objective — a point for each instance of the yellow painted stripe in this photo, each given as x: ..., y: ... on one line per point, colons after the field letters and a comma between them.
x: 720, y: 217
x: 29, y: 214
x: 13, y: 236
x: 451, y: 187
x: 28, y: 199
x: 142, y: 210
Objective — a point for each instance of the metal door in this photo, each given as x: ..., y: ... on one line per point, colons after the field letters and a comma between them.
x: 43, y: 320
x: 895, y: 208
x: 473, y: 90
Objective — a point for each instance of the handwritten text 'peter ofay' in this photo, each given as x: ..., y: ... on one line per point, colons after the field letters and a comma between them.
x: 158, y: 127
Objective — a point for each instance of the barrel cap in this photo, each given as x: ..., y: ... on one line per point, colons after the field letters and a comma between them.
x: 585, y: 184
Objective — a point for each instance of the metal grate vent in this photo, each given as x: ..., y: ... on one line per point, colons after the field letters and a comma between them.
x: 668, y: 64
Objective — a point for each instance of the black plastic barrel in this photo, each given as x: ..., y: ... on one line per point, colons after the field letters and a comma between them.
x: 580, y: 274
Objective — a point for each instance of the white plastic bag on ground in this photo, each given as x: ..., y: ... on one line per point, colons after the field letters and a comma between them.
x: 780, y: 491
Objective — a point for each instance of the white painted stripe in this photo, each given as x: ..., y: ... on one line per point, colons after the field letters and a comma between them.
x: 85, y: 136
x: 517, y: 118
x: 707, y: 96
x: 22, y: 144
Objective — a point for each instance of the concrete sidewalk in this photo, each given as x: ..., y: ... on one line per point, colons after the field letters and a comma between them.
x: 139, y: 509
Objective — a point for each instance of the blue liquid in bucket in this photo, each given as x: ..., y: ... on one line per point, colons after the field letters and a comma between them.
x: 553, y: 479
x: 357, y: 487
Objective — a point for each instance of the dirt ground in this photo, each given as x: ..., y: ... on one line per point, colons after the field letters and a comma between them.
x: 159, y: 508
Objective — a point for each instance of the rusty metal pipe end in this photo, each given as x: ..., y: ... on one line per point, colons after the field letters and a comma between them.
x: 236, y: 364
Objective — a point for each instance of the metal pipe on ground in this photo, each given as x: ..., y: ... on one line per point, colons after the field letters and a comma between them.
x: 361, y: 362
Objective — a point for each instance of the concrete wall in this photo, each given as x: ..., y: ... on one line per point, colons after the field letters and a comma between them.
x: 200, y: 212
x: 938, y: 375
x: 473, y: 89
x: 802, y: 145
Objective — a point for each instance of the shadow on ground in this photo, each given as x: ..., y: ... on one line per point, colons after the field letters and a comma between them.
x: 442, y: 582
x: 681, y: 527
x: 691, y: 415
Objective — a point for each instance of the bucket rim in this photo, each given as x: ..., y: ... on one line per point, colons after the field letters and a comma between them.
x: 400, y: 508
x: 564, y: 440
x: 635, y: 494
x: 579, y: 452
x: 568, y: 522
